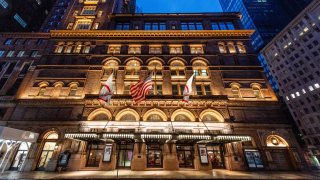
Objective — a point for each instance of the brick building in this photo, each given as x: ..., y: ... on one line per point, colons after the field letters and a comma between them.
x: 234, y: 120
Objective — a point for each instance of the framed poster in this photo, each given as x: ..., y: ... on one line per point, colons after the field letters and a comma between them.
x: 203, y: 154
x: 254, y: 159
x: 107, y: 153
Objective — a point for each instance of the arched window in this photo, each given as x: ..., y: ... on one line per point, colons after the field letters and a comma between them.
x: 276, y: 141
x: 177, y: 68
x: 182, y: 118
x: 73, y: 88
x: 256, y: 90
x: 209, y: 118
x: 235, y: 89
x: 241, y: 48
x: 110, y: 66
x: 49, y: 146
x: 133, y: 68
x: 222, y: 47
x: 128, y: 118
x: 156, y: 67
x: 59, y: 47
x: 42, y: 90
x: 154, y: 118
x: 200, y: 68
x: 232, y: 48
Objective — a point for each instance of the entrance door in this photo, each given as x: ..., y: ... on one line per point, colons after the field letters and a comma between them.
x: 20, y: 156
x: 125, y: 155
x: 46, y: 154
x: 215, y: 154
x: 185, y: 156
x: 280, y: 158
x: 154, y: 156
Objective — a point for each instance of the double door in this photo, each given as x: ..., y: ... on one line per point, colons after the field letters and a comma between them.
x: 185, y: 156
x: 125, y: 155
x: 216, y: 156
x: 154, y: 155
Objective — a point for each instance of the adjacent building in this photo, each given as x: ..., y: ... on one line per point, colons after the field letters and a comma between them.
x: 267, y: 18
x: 294, y: 60
x: 23, y: 15
x: 234, y: 120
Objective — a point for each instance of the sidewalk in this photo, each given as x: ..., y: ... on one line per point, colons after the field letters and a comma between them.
x: 161, y: 174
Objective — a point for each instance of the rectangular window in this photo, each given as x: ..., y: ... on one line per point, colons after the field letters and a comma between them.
x: 2, y: 53
x: 19, y: 19
x: 176, y: 49
x: 208, y: 90
x: 191, y: 26
x: 89, y: 10
x: 8, y: 41
x: 196, y: 49
x: 199, y: 90
x: 155, y: 26
x: 214, y: 26
x: 222, y: 26
x: 230, y: 25
x: 155, y: 49
x: 86, y: 49
x: 20, y: 54
x: 4, y: 4
x: 114, y: 49
x: 10, y: 54
x: 83, y: 25
x: 134, y: 49
x: 122, y: 26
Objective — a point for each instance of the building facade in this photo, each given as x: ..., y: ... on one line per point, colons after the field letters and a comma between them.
x: 23, y: 15
x: 293, y: 57
x: 234, y: 120
x: 257, y: 15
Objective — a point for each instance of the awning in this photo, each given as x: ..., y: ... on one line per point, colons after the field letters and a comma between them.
x: 12, y: 134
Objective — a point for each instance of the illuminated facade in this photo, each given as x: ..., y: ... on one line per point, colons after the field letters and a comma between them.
x: 234, y: 120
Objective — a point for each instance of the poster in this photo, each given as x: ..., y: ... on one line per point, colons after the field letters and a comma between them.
x: 107, y: 153
x: 203, y: 154
x: 254, y: 159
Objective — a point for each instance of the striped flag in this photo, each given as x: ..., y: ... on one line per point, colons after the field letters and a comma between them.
x: 106, y: 91
x: 140, y: 90
x: 187, y: 90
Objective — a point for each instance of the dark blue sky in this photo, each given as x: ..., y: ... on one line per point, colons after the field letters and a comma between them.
x: 179, y: 6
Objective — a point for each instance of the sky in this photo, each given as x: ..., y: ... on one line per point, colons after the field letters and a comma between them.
x: 178, y: 6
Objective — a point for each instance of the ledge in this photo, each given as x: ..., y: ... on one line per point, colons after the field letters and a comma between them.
x: 149, y: 34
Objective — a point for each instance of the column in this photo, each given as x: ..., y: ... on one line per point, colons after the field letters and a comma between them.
x: 170, y: 158
x: 139, y: 159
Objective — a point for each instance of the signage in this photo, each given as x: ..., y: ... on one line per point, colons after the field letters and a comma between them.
x: 203, y: 154
x: 254, y: 159
x: 107, y: 153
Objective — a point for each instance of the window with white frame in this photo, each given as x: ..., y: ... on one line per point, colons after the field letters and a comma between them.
x: 134, y: 49
x: 114, y: 49
x: 175, y: 49
x: 177, y: 68
x: 83, y: 25
x: 200, y: 68
x: 232, y: 48
x: 222, y: 47
x: 235, y: 89
x: 89, y: 10
x: 241, y: 48
x: 155, y: 49
x: 196, y: 49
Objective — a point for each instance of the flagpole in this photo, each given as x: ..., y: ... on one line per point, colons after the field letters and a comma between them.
x: 155, y: 81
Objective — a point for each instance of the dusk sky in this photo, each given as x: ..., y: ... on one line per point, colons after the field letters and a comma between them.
x: 179, y: 6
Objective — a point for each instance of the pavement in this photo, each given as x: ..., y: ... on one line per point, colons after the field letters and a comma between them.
x: 162, y: 174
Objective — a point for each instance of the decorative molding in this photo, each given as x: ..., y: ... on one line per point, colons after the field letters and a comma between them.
x: 149, y: 34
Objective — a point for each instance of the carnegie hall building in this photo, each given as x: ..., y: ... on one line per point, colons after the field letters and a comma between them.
x: 50, y: 84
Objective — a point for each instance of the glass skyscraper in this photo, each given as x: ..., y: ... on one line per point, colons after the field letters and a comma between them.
x: 268, y: 18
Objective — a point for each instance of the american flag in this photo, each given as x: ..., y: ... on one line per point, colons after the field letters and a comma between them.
x: 140, y: 90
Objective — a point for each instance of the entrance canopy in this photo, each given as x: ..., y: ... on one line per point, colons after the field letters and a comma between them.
x: 165, y: 137
x: 12, y: 134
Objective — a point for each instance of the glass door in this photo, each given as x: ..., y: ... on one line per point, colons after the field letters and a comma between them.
x: 215, y: 154
x: 185, y: 156
x: 20, y: 156
x: 125, y: 155
x: 46, y: 154
x: 154, y: 155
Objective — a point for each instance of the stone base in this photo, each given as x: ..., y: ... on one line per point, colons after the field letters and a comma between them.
x: 171, y: 163
x: 52, y: 165
x: 138, y: 163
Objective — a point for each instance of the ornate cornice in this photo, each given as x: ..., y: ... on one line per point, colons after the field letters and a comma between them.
x: 25, y: 35
x: 149, y: 34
